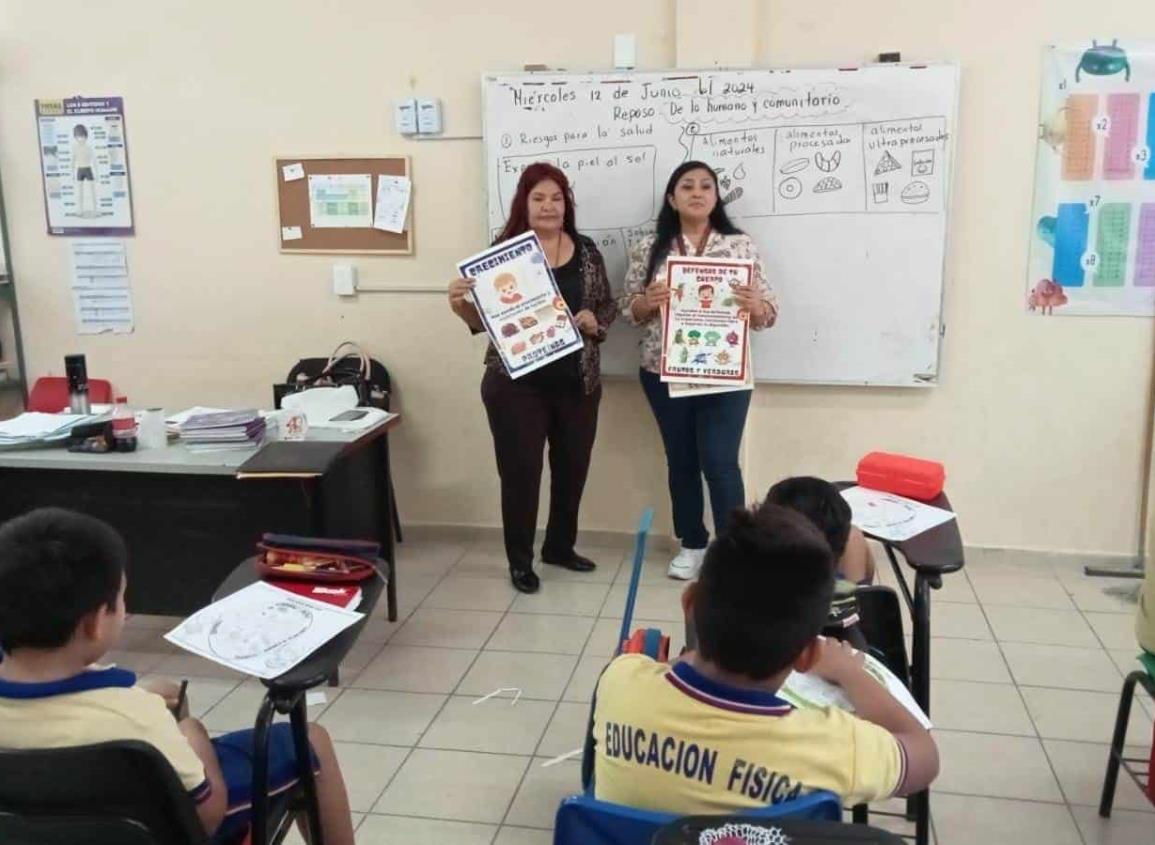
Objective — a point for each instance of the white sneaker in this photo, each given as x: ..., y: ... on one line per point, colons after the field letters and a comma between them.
x: 686, y: 565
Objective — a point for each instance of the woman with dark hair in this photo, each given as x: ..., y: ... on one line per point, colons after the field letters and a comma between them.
x: 702, y: 433
x: 558, y: 403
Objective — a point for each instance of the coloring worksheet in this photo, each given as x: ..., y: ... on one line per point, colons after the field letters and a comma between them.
x: 1092, y: 244
x: 261, y: 630
x: 890, y: 517
x: 808, y: 690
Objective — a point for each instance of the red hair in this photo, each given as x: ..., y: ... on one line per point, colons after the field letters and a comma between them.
x: 518, y: 221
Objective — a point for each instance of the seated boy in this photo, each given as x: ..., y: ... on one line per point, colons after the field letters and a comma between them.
x: 62, y: 583
x: 821, y: 503
x: 709, y: 735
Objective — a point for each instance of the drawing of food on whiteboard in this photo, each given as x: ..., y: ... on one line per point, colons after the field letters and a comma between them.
x: 827, y: 185
x: 793, y: 166
x: 916, y: 193
x: 886, y: 164
x: 828, y: 163
x: 790, y: 189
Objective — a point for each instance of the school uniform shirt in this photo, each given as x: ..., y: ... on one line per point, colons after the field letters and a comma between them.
x: 738, y: 247
x: 671, y: 740
x: 98, y: 705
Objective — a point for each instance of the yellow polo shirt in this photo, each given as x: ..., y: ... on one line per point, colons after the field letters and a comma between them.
x: 669, y: 739
x: 99, y: 705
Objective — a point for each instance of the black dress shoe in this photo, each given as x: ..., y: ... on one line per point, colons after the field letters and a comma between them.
x: 577, y: 563
x: 524, y: 580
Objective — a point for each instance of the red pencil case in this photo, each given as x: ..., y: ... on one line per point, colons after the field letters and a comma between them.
x: 314, y: 559
x: 902, y: 475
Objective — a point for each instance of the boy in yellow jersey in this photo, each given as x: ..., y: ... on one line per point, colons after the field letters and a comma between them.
x: 709, y: 734
x: 62, y: 583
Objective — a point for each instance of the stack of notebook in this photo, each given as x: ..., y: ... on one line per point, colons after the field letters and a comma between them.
x: 223, y: 430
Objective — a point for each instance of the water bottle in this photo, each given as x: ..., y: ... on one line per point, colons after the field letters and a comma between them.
x: 123, y: 426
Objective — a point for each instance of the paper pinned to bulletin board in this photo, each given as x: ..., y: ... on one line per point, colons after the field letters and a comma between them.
x: 327, y: 204
x: 1092, y: 248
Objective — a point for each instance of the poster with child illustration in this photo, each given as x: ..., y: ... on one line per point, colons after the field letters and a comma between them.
x: 705, y: 335
x: 520, y: 305
x: 84, y: 166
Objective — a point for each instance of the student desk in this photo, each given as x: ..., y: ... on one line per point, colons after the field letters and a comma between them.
x: 286, y: 694
x: 930, y: 555
x: 189, y: 516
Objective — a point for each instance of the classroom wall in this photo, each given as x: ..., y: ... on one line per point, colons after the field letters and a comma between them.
x: 1041, y: 422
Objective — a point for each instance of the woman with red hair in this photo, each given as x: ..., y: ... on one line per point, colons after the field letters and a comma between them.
x: 557, y: 404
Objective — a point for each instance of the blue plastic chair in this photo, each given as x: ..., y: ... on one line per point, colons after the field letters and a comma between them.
x: 584, y: 820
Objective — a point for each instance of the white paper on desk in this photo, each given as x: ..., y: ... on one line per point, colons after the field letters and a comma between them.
x: 34, y: 425
x: 261, y: 630
x: 392, y: 203
x: 890, y: 517
x: 321, y: 404
x: 806, y: 690
x: 101, y: 294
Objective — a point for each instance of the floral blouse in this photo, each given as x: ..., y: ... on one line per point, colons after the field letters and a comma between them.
x: 739, y: 247
x: 597, y: 298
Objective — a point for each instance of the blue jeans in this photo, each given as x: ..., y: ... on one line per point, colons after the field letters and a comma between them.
x: 701, y: 435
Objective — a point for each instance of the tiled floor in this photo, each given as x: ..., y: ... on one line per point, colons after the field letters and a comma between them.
x: 1028, y: 658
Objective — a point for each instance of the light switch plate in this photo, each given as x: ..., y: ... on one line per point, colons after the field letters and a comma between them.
x: 344, y: 279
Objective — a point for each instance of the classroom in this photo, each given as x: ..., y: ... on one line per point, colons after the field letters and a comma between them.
x: 951, y: 205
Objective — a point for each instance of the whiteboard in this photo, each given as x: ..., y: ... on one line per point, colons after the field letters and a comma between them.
x: 842, y: 177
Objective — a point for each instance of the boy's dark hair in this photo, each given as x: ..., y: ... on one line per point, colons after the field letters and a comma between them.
x: 820, y: 502
x: 80, y: 131
x: 56, y: 567
x: 763, y: 592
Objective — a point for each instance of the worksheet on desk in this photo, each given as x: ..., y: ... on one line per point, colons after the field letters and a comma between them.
x: 261, y: 630
x: 890, y: 517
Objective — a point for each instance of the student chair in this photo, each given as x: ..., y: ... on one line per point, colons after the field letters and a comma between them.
x: 1146, y: 782
x: 49, y: 394
x: 880, y: 621
x: 880, y: 625
x: 111, y: 793
x: 584, y: 820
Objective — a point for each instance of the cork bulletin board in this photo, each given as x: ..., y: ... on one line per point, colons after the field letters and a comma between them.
x: 295, y: 232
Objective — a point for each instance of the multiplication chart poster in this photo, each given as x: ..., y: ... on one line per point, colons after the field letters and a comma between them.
x: 1093, y: 234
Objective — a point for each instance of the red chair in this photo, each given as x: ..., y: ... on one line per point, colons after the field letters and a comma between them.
x: 50, y: 394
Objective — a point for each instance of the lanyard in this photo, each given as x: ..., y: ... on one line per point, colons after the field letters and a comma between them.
x: 701, y: 247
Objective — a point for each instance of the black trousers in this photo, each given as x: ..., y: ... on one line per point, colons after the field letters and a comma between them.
x: 523, y: 418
